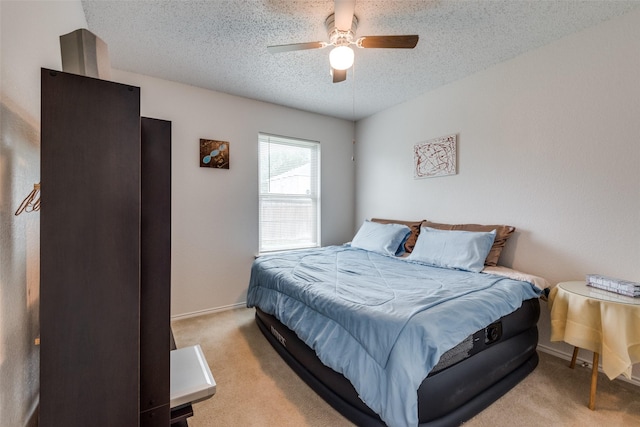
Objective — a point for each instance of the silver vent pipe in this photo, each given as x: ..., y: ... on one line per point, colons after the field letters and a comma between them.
x: 86, y: 54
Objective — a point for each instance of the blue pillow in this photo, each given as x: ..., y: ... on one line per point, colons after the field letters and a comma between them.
x: 387, y: 239
x: 461, y: 250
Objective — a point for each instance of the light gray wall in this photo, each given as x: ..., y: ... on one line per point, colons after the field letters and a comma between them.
x: 215, y: 211
x: 547, y: 142
x: 30, y: 32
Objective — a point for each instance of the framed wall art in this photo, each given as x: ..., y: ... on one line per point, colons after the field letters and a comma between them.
x: 214, y: 154
x: 435, y: 157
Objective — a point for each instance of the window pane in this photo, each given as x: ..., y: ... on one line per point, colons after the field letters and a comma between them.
x: 289, y: 193
x: 288, y: 223
x: 288, y: 169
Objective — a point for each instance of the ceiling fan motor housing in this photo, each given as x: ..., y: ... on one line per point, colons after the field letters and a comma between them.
x: 340, y: 37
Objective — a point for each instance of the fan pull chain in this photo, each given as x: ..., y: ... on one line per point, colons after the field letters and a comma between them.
x: 353, y: 93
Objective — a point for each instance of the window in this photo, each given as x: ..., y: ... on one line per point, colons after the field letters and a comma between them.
x: 289, y: 195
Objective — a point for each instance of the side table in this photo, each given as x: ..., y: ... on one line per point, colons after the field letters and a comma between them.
x: 603, y: 322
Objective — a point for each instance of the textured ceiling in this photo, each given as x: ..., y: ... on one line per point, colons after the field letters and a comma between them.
x: 221, y: 44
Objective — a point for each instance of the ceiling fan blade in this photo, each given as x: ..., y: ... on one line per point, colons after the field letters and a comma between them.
x: 343, y: 12
x: 296, y: 46
x: 338, y: 75
x: 389, y: 42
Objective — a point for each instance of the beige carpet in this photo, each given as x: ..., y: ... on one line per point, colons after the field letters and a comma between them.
x: 255, y: 387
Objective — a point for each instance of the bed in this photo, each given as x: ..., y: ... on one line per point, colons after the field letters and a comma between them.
x: 402, y: 308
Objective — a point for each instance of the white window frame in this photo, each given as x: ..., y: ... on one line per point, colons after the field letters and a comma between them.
x: 266, y: 241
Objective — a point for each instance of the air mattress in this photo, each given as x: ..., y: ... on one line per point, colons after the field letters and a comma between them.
x: 467, y: 379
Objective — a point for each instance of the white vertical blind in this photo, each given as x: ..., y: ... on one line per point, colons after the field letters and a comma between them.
x: 289, y: 205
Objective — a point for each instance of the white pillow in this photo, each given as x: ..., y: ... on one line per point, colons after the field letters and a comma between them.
x: 387, y: 239
x: 457, y: 249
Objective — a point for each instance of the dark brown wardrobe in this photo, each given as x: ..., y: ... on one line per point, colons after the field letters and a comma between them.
x: 105, y: 256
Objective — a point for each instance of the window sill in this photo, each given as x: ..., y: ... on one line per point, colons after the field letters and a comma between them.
x: 282, y: 251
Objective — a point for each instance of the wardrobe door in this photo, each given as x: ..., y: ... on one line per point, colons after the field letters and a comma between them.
x: 155, y: 278
x: 90, y: 252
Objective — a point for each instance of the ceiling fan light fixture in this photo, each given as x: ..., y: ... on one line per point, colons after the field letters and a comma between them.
x: 341, y: 57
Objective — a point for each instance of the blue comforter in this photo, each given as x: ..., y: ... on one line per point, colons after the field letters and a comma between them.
x: 382, y: 322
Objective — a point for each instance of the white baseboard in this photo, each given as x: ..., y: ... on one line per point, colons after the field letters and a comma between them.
x: 208, y: 311
x: 566, y: 356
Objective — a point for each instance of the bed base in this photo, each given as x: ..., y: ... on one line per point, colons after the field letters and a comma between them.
x: 446, y: 398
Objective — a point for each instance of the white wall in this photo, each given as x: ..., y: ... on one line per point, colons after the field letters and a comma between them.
x: 29, y: 37
x: 215, y: 211
x: 548, y: 142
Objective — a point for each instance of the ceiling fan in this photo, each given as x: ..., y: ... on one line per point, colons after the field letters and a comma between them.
x: 341, y: 28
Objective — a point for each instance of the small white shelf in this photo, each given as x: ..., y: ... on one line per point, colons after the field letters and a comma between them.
x: 191, y: 379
